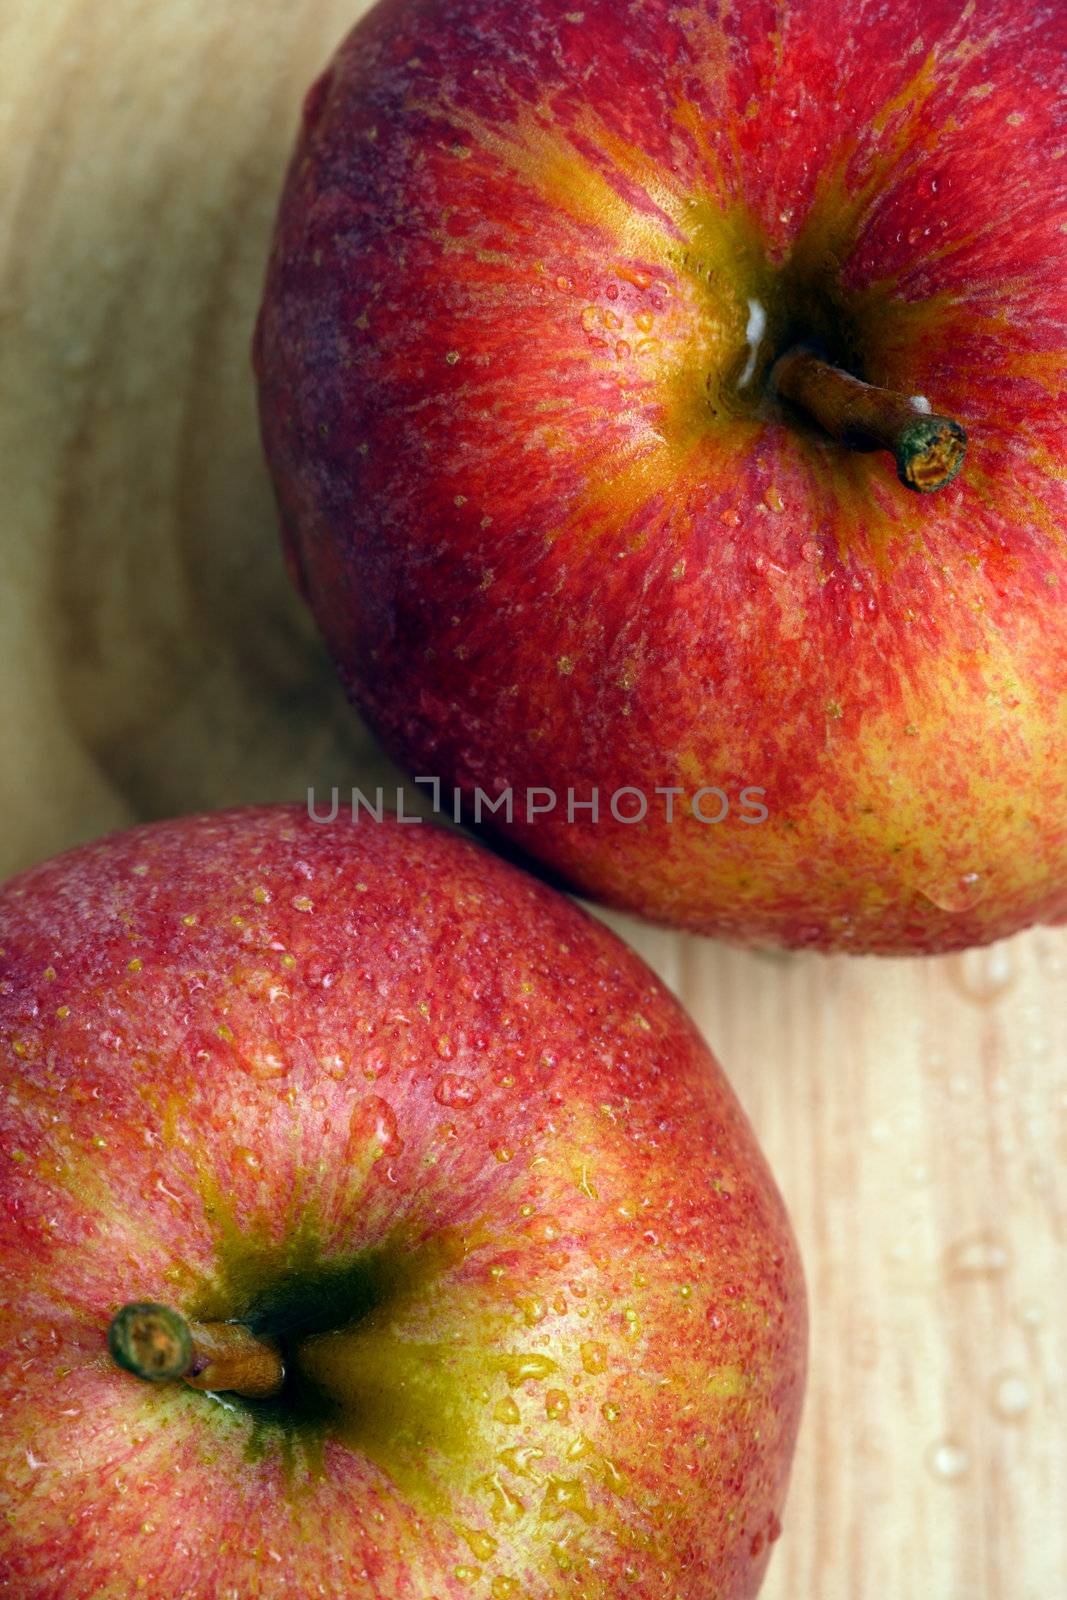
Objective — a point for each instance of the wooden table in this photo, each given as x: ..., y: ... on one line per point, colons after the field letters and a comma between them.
x: 154, y: 661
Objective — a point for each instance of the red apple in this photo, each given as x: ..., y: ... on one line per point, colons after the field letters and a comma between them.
x: 566, y: 516
x: 376, y: 1117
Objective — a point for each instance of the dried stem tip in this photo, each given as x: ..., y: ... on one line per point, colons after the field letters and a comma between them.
x: 151, y: 1341
x: 157, y: 1343
x: 928, y: 450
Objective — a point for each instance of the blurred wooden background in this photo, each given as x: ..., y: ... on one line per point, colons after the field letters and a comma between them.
x: 152, y: 660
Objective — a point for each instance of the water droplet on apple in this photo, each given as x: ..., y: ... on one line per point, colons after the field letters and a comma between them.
x: 546, y: 1230
x: 505, y: 1506
x: 373, y: 1130
x: 521, y: 1459
x: 506, y: 1411
x: 948, y: 1461
x: 956, y: 894
x: 533, y: 1308
x: 563, y: 1496
x: 557, y: 1405
x: 561, y: 1555
x: 482, y: 1545
x: 594, y: 1357
x: 456, y: 1092
x: 530, y: 1365
x: 263, y: 1060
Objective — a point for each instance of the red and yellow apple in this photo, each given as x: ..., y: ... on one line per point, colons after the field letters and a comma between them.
x: 488, y: 1290
x: 535, y: 270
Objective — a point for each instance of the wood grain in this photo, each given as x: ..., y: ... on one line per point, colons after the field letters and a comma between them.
x: 154, y: 661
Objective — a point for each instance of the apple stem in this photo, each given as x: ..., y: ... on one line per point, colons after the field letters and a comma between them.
x: 928, y: 449
x: 159, y: 1344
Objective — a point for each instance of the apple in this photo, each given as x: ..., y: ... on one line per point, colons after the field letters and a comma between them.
x: 444, y: 1243
x: 586, y: 329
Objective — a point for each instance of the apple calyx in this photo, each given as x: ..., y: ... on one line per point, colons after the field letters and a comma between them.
x: 158, y: 1344
x: 928, y: 449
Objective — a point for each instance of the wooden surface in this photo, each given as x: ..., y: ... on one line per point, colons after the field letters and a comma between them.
x: 153, y: 661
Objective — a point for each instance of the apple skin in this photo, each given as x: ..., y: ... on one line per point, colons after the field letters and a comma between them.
x: 550, y: 537
x: 243, y: 1050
